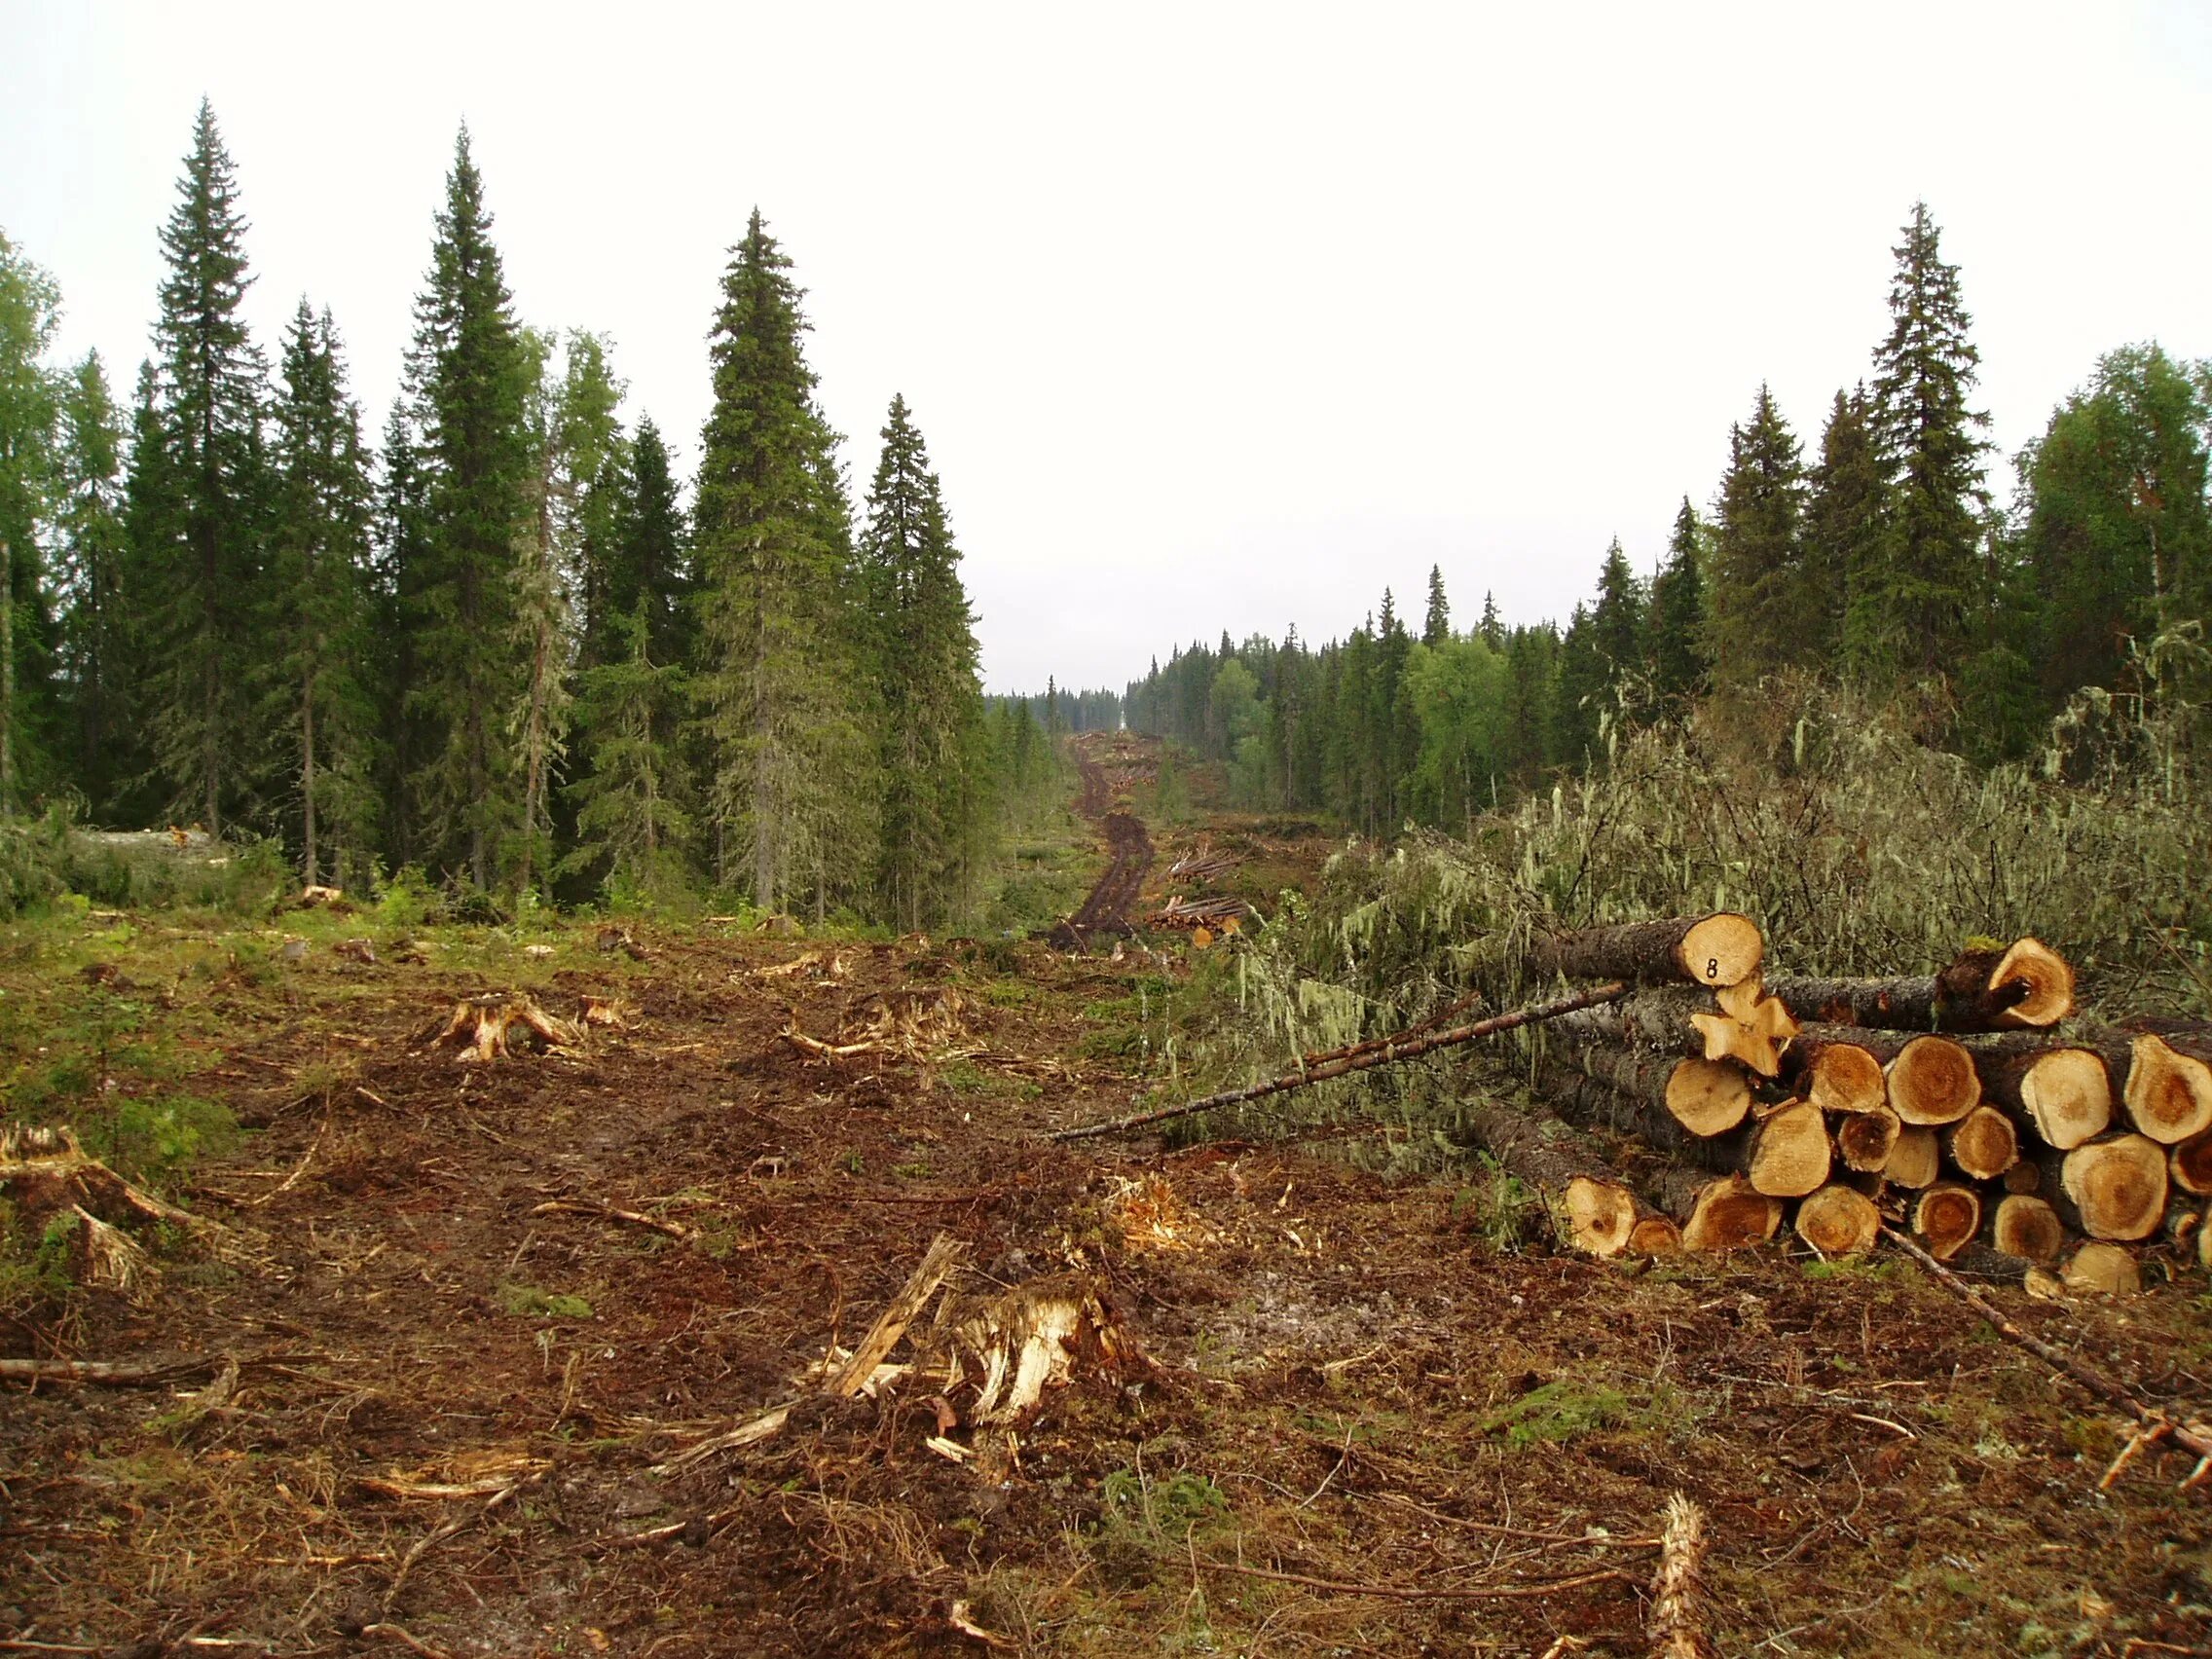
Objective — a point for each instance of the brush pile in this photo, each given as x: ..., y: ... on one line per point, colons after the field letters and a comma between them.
x: 1965, y: 1107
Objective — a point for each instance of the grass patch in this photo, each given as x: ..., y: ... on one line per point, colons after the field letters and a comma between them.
x: 528, y: 1302
x: 1557, y: 1413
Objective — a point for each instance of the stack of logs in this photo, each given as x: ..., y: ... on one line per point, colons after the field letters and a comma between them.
x: 1961, y: 1105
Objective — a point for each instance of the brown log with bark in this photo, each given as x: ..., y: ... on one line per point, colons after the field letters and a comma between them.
x: 2112, y: 1188
x: 2027, y: 1227
x: 2063, y: 1094
x: 1835, y: 1072
x: 2106, y: 1267
x: 1546, y: 1154
x: 1729, y: 1215
x: 1789, y: 1154
x: 1945, y: 1218
x: 2188, y: 1165
x: 1983, y: 1144
x: 1864, y: 1140
x: 1669, y: 1180
x: 1723, y: 948
x: 1605, y: 1218
x: 1926, y: 1078
x: 2026, y: 987
x: 2165, y: 1092
x: 1701, y: 1097
x: 1784, y: 1153
x: 1838, y: 1221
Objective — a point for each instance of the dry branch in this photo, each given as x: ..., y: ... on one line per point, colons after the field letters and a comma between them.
x: 1677, y: 1589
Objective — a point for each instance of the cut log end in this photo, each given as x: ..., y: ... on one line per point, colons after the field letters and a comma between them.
x: 1729, y: 1215
x: 1839, y: 1221
x: 2104, y: 1268
x: 1933, y: 1081
x: 2027, y: 1227
x: 1864, y: 1140
x: 1915, y: 1160
x: 2022, y: 1177
x: 1843, y: 1077
x: 2190, y: 1165
x: 1983, y: 1144
x: 1655, y: 1235
x: 2068, y: 1094
x: 1601, y: 1215
x: 1708, y: 1098
x: 1790, y: 1152
x: 2168, y: 1095
x: 2118, y: 1185
x: 1946, y: 1218
x: 2048, y: 979
x: 1721, y: 949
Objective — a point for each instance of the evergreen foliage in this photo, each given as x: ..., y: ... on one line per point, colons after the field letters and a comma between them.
x: 29, y: 310
x: 89, y: 545
x: 1845, y: 524
x: 1762, y: 612
x: 1679, y: 659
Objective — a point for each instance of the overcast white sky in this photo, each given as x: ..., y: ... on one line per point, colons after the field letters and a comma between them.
x: 1213, y: 317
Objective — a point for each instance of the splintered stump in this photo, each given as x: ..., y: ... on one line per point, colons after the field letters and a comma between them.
x: 1839, y: 1221
x: 1915, y: 1159
x: 2103, y: 1268
x: 69, y: 1200
x: 1714, y: 951
x: 1728, y: 1214
x: 490, y: 1028
x: 2112, y: 1188
x: 1982, y: 1144
x: 1738, y: 1024
x: 2027, y: 1227
x: 2064, y: 1093
x: 1945, y: 1218
x: 2028, y: 987
x: 1864, y: 1140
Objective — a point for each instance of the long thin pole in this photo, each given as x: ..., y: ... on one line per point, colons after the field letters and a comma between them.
x: 1405, y: 1046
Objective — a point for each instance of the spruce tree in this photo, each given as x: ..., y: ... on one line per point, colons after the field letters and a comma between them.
x: 318, y: 636
x: 632, y: 817
x: 778, y: 677
x: 925, y: 656
x: 29, y: 310
x: 1758, y: 610
x: 472, y: 371
x: 652, y: 565
x: 203, y: 579
x: 1618, y: 619
x: 1925, y: 590
x: 88, y: 513
x: 1436, y: 626
x: 1678, y: 661
x: 1493, y: 626
x: 1844, y: 531
x: 399, y: 567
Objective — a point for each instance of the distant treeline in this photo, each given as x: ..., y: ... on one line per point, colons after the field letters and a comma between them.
x: 1885, y: 560
x: 1058, y: 711
x: 499, y: 644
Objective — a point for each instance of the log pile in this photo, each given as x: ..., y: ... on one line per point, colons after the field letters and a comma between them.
x: 1964, y: 1108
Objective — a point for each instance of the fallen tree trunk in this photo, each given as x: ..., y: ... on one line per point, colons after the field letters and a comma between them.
x: 2106, y: 1267
x: 2114, y: 1188
x: 1925, y: 1079
x: 1946, y: 1217
x: 2065, y: 1095
x: 1667, y: 1179
x: 2028, y: 987
x: 1916, y: 1159
x: 1545, y: 1153
x: 1700, y: 1099
x: 1388, y: 1054
x: 1783, y: 1153
x: 1724, y: 948
x: 1836, y: 1071
x: 2165, y: 1091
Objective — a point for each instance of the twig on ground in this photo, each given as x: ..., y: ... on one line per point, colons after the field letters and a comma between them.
x: 1415, y: 1593
x: 633, y: 1218
x: 398, y: 1634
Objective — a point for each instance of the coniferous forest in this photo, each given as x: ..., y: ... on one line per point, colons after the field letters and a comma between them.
x: 498, y: 637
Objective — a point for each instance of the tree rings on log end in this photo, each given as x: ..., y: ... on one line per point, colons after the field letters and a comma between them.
x: 1721, y: 949
x: 2118, y: 1185
x: 1864, y: 1140
x: 1946, y: 1218
x: 2105, y: 1268
x: 1915, y: 1160
x: 2190, y: 1165
x: 1655, y: 1235
x: 1708, y: 1098
x: 2068, y: 1092
x: 1983, y: 1144
x: 1728, y: 1214
x: 1790, y: 1152
x: 1601, y: 1215
x: 1933, y: 1081
x: 2022, y: 1177
x: 1843, y: 1077
x: 2049, y: 978
x: 1839, y: 1221
x: 2027, y: 1227
x: 2168, y: 1095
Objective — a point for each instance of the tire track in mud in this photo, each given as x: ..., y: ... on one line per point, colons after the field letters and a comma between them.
x: 1130, y: 857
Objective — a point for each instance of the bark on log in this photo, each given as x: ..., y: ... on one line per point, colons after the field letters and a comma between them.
x: 1714, y: 951
x: 2027, y: 1227
x: 1672, y: 1180
x: 1545, y: 1153
x: 2114, y: 1188
x: 1945, y: 1218
x: 1983, y: 1144
x: 2065, y: 1093
x: 1728, y: 1215
x: 1696, y: 1097
x: 1864, y: 1140
x: 2188, y: 1165
x: 2023, y: 1178
x: 1926, y: 1078
x: 2027, y: 987
x: 1839, y: 1221
x: 1686, y: 1020
x: 1915, y: 1160
x: 2165, y: 1091
x: 1835, y: 1073
x: 1605, y: 1216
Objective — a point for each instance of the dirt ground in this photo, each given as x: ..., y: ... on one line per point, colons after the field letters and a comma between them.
x: 1369, y: 1418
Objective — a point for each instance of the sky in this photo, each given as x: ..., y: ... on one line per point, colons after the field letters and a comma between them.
x: 1213, y: 317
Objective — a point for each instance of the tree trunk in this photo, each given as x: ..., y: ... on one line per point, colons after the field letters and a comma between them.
x: 2111, y: 1188
x: 2106, y: 1267
x: 307, y: 777
x: 2029, y: 986
x: 2188, y: 1165
x: 1789, y: 1154
x: 1864, y: 1140
x: 1926, y: 1080
x: 1719, y: 949
x: 1983, y: 1144
x: 1668, y: 1182
x: 1839, y: 1221
x: 2064, y: 1094
x: 1674, y: 1101
x: 2027, y: 1227
x: 1785, y: 1156
x: 7, y: 679
x: 2169, y: 1095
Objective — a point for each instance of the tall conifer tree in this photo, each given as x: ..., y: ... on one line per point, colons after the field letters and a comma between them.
x: 1436, y: 626
x: 1679, y: 660
x: 1845, y: 526
x: 96, y: 651
x: 29, y: 310
x: 1925, y: 593
x: 472, y: 372
x: 777, y: 678
x: 1758, y: 612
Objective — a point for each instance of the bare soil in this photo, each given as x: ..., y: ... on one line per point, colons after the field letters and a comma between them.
x: 1372, y: 1422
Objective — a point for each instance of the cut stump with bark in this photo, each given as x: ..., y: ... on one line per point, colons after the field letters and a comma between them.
x: 483, y: 1029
